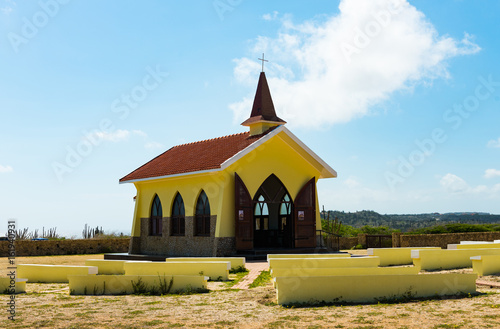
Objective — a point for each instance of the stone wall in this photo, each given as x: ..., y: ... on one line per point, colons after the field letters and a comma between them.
x: 442, y: 240
x: 66, y: 247
x: 187, y: 245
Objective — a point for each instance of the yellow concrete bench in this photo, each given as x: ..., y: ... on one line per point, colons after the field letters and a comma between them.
x: 394, y: 256
x: 486, y: 264
x: 236, y: 262
x: 214, y: 270
x: 108, y: 266
x: 124, y: 284
x: 490, y: 245
x: 272, y: 256
x: 370, y: 288
x: 369, y: 261
x: 344, y: 271
x: 447, y: 258
x: 52, y: 273
x: 18, y: 286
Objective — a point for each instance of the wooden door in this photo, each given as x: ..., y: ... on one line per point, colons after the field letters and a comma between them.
x: 305, y: 216
x: 243, y: 206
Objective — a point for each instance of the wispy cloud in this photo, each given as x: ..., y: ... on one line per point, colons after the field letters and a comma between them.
x: 153, y: 145
x: 454, y: 184
x: 8, y: 7
x: 340, y: 67
x: 6, y: 169
x: 270, y: 16
x: 494, y: 143
x: 117, y: 136
x: 491, y: 173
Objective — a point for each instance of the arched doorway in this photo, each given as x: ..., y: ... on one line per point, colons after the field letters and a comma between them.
x: 272, y: 215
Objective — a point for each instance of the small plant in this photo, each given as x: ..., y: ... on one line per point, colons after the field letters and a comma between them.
x: 164, y: 287
x: 139, y: 287
x: 238, y: 269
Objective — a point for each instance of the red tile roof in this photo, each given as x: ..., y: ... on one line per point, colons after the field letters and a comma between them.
x: 197, y: 156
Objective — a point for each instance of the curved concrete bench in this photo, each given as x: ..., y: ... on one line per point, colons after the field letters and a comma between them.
x: 122, y: 284
x: 448, y: 258
x: 394, y: 256
x: 52, y: 273
x: 486, y: 264
x: 369, y: 261
x: 6, y: 287
x: 214, y: 270
x: 370, y: 288
x: 273, y: 256
x: 236, y: 262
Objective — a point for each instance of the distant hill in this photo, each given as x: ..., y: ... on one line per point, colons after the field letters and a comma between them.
x: 410, y: 222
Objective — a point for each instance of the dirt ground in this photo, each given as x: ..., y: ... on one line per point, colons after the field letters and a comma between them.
x: 51, y: 306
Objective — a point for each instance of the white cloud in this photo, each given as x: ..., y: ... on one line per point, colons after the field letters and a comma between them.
x: 5, y: 169
x: 494, y: 143
x: 491, y: 173
x: 271, y: 16
x: 324, y: 83
x: 454, y: 184
x: 153, y: 145
x: 115, y: 136
x: 8, y: 8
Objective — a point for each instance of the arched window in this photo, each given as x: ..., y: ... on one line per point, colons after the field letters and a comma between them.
x: 155, y: 218
x: 202, y: 216
x: 261, y: 214
x: 178, y: 217
x: 285, y: 211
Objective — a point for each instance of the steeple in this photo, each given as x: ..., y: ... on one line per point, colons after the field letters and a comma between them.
x: 263, y: 115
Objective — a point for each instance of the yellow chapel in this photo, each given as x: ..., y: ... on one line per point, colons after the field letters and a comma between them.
x: 236, y: 194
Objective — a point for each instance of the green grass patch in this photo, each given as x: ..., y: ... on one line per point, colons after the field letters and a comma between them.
x: 262, y: 280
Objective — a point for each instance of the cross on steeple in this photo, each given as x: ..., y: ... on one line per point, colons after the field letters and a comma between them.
x: 263, y: 60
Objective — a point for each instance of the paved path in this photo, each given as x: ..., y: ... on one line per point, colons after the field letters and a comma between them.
x: 254, y: 268
x: 488, y: 283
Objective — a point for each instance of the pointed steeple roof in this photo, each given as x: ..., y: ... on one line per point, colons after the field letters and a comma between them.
x: 263, y: 107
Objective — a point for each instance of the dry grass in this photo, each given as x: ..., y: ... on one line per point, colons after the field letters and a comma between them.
x: 50, y: 306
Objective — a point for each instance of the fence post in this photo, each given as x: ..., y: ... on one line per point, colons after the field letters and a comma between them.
x: 362, y: 239
x: 396, y: 239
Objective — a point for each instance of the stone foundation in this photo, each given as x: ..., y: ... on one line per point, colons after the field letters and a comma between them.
x: 186, y: 245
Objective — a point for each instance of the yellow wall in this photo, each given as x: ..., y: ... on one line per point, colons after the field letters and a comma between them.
x: 214, y: 270
x: 271, y: 256
x: 486, y: 264
x: 395, y: 256
x: 344, y: 271
x: 448, y: 258
x: 279, y: 156
x: 52, y: 273
x: 478, y: 246
x: 370, y: 261
x: 235, y: 261
x: 370, y: 288
x: 122, y: 284
x: 107, y: 266
x: 19, y: 285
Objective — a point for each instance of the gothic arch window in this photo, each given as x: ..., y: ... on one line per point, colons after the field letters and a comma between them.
x: 261, y: 214
x: 285, y: 212
x: 155, y: 218
x: 202, y: 215
x: 178, y: 218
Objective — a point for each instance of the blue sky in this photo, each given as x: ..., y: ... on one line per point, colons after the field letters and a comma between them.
x: 401, y: 99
